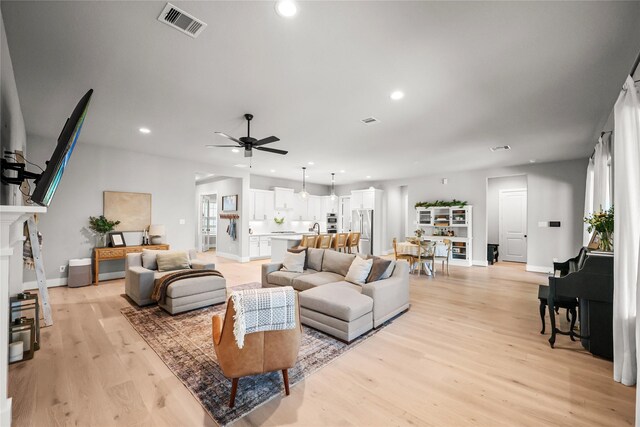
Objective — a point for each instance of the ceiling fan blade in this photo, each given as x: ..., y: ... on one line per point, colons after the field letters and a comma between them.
x: 230, y: 137
x: 271, y: 150
x: 267, y: 140
x: 226, y: 146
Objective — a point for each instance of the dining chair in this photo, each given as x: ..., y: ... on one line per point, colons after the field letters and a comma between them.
x: 324, y: 241
x: 445, y: 259
x: 408, y: 257
x: 353, y: 241
x: 308, y: 241
x: 426, y: 256
x: 340, y: 242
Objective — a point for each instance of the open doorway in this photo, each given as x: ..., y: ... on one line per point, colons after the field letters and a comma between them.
x: 507, y: 218
x: 208, y: 222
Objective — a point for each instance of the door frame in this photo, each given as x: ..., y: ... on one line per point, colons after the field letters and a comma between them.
x: 199, y: 222
x: 526, y: 228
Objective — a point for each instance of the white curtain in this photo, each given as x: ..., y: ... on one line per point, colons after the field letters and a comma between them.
x: 588, y: 202
x: 602, y: 179
x: 626, y: 235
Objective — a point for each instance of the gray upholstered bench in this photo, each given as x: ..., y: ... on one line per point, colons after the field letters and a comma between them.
x: 338, y: 309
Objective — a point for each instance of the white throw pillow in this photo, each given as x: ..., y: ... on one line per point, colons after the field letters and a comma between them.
x: 294, y: 262
x: 389, y: 271
x: 359, y: 270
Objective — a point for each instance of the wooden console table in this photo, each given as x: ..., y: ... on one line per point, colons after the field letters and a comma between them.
x: 107, y: 254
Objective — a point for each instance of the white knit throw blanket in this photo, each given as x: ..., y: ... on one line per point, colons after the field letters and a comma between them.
x: 264, y: 309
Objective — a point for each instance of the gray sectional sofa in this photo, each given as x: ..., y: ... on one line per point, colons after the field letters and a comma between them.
x: 335, y: 306
x: 183, y: 295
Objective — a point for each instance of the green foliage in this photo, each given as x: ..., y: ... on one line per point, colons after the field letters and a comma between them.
x: 601, y: 221
x: 102, y: 225
x: 441, y: 203
x: 279, y: 221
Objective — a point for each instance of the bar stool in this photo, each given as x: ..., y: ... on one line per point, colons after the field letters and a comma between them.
x: 340, y: 242
x: 324, y: 241
x: 308, y: 241
x: 353, y: 241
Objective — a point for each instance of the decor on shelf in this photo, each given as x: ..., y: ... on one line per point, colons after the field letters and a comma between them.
x: 602, y: 224
x: 101, y: 226
x: 303, y: 192
x: 441, y: 203
x: 419, y: 233
x: 157, y: 233
x: 117, y: 239
x: 230, y: 203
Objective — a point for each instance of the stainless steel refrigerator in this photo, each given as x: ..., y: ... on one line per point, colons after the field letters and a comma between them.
x: 362, y: 221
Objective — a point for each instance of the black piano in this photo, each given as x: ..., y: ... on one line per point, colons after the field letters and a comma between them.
x: 588, y: 277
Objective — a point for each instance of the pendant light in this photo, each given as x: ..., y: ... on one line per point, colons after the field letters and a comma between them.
x: 333, y: 186
x: 304, y: 193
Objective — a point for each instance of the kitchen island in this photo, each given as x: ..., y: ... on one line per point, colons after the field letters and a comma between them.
x: 280, y: 244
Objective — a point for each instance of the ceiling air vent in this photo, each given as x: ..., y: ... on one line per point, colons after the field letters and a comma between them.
x: 500, y: 148
x: 370, y: 121
x: 181, y: 21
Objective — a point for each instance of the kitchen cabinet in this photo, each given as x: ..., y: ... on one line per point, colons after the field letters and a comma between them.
x: 261, y: 206
x: 328, y: 206
x: 363, y: 199
x: 284, y: 198
x: 265, y: 246
x: 314, y: 208
x: 254, y: 247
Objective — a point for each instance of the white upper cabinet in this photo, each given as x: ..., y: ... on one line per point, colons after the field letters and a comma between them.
x: 314, y: 208
x: 363, y: 199
x: 328, y: 206
x: 261, y: 205
x: 284, y: 198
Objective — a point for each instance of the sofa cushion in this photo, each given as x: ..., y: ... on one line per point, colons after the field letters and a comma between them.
x: 378, y: 269
x: 340, y: 300
x: 297, y: 250
x: 149, y: 257
x: 294, y: 262
x: 337, y: 262
x: 314, y: 258
x: 285, y: 278
x: 170, y: 260
x: 195, y: 285
x: 308, y: 281
x: 359, y: 271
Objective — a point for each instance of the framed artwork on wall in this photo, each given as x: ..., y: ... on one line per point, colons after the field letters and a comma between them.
x: 117, y: 240
x: 230, y: 203
x: 133, y: 210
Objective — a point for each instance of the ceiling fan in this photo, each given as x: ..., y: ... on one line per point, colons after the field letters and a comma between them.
x: 249, y: 143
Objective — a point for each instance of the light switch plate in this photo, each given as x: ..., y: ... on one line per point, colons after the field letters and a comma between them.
x: 543, y: 224
x: 183, y: 222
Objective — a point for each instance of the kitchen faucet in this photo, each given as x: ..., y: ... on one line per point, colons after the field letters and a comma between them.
x: 314, y: 228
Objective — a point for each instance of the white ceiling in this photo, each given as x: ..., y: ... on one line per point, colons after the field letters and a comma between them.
x: 541, y: 77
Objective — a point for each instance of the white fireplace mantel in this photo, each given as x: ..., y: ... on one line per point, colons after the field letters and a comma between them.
x: 11, y: 219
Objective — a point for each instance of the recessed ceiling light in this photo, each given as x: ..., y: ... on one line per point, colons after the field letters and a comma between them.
x: 144, y: 130
x: 272, y: 170
x: 286, y: 8
x: 311, y: 163
x: 397, y: 95
x: 342, y: 171
x: 240, y: 165
x: 235, y: 150
x: 532, y: 161
x: 368, y: 176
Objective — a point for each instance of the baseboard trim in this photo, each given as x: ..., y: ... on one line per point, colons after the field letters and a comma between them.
x: 233, y: 257
x: 62, y: 281
x: 484, y: 263
x: 539, y: 269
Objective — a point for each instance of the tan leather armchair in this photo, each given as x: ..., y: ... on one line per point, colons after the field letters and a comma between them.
x: 262, y: 352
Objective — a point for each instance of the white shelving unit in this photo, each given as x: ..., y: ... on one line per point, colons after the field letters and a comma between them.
x: 437, y: 222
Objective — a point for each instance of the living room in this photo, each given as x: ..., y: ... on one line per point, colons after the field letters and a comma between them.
x: 261, y: 128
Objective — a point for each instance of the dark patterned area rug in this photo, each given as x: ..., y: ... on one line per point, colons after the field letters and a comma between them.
x: 185, y: 345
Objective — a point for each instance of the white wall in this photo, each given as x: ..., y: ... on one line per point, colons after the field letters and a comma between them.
x: 260, y: 182
x: 225, y: 246
x: 94, y: 169
x: 555, y: 190
x: 494, y: 185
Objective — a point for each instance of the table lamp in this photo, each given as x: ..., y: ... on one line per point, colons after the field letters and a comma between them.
x: 157, y: 233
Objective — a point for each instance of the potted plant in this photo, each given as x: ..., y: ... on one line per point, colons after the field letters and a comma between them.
x: 602, y: 223
x: 101, y: 226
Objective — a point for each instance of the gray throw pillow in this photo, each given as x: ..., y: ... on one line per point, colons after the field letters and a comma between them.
x: 389, y: 270
x: 314, y: 258
x: 299, y: 249
x: 379, y: 267
x: 170, y: 260
x: 337, y: 262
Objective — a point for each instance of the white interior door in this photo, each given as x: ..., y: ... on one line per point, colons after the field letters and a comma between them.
x: 513, y: 225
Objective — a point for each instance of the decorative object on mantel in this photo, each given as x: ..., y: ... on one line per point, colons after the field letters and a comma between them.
x: 157, y: 233
x: 602, y: 224
x: 101, y: 226
x: 441, y: 203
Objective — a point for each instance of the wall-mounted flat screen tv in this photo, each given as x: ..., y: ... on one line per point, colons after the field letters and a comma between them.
x: 48, y: 182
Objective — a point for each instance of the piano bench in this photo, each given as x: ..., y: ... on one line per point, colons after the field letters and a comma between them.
x: 570, y: 304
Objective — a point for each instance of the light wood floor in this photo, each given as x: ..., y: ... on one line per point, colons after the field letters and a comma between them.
x: 469, y: 352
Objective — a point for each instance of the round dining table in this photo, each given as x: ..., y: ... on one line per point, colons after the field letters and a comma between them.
x: 421, y: 253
